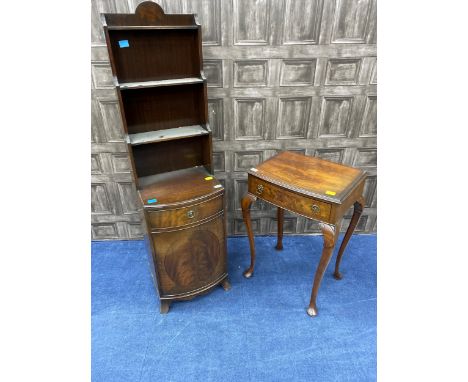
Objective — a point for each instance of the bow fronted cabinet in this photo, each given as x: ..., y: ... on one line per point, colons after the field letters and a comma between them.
x: 157, y: 63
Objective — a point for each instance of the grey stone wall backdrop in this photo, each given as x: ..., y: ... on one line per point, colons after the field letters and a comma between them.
x: 296, y: 75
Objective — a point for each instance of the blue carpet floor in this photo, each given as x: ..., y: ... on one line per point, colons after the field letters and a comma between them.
x: 257, y: 331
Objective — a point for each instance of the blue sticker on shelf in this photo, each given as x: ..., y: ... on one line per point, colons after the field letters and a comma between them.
x: 124, y: 43
x: 151, y: 201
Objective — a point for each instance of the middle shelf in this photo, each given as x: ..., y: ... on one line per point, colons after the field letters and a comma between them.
x: 166, y: 134
x: 158, y: 83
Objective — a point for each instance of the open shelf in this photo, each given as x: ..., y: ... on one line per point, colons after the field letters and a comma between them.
x: 157, y: 69
x: 171, y: 155
x: 161, y: 108
x: 154, y: 84
x: 141, y: 58
x: 166, y: 135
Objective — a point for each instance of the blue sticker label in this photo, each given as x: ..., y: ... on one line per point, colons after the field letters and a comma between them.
x: 124, y: 43
x: 150, y: 201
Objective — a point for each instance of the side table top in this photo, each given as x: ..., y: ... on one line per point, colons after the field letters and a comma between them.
x: 309, y: 175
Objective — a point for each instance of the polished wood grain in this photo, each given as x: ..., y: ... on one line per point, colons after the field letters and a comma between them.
x: 156, y: 60
x: 178, y: 188
x: 190, y: 258
x: 292, y: 201
x: 314, y: 188
x: 278, y: 84
x: 310, y: 175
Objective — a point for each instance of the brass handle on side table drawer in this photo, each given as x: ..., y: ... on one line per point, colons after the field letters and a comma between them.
x: 259, y: 189
x: 190, y: 214
x: 315, y: 208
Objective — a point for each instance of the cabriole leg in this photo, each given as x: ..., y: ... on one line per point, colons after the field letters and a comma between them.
x: 246, y: 202
x: 358, y: 207
x: 330, y: 234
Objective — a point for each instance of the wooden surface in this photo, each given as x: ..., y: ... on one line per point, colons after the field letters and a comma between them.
x: 169, y: 142
x: 299, y: 184
x: 177, y: 186
x: 181, y: 216
x: 282, y: 75
x: 309, y: 176
x: 191, y: 258
x: 147, y: 32
x: 136, y: 63
x: 298, y: 202
x: 171, y: 155
x: 151, y: 15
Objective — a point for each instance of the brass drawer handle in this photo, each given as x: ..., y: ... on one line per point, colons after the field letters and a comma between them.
x: 259, y: 189
x: 315, y: 209
x: 190, y: 214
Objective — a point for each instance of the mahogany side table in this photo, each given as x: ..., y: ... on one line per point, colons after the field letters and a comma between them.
x: 311, y: 187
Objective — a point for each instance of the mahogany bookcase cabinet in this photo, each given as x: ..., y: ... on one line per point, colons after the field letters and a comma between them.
x: 156, y: 61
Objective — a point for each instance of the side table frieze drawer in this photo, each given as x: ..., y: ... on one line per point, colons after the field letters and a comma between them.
x: 281, y: 196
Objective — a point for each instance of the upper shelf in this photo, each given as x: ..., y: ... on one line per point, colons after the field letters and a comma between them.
x: 153, y: 84
x: 166, y: 135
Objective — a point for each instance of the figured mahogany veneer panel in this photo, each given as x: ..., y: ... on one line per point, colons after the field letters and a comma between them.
x: 186, y: 215
x: 177, y: 186
x: 191, y: 258
x: 311, y: 176
x: 280, y: 196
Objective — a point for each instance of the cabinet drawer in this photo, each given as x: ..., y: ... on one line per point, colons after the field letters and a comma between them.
x: 186, y: 215
x: 304, y: 205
